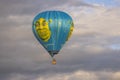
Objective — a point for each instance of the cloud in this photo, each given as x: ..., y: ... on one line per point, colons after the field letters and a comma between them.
x: 91, y: 53
x: 77, y: 75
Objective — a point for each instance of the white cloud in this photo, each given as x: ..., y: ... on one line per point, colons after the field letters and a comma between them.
x: 83, y: 75
x: 78, y: 75
x: 116, y: 76
x: 102, y: 21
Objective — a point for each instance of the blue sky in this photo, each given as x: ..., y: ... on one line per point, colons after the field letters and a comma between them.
x: 92, y: 53
x: 107, y: 3
x: 115, y: 46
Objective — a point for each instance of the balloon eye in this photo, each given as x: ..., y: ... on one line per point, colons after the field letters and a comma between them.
x: 44, y: 23
x: 37, y: 24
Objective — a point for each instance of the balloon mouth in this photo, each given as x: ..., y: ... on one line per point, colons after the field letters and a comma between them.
x: 53, y: 53
x: 43, y: 32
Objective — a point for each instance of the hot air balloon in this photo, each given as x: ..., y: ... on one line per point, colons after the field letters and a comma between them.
x: 52, y: 29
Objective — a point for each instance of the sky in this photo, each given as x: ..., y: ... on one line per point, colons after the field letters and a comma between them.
x: 92, y: 53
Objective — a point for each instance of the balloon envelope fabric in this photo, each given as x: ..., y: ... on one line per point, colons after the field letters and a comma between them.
x: 52, y: 29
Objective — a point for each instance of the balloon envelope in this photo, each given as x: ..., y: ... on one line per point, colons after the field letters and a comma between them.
x: 52, y: 29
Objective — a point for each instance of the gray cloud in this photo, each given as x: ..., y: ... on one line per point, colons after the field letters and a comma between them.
x: 89, y: 50
x: 22, y: 7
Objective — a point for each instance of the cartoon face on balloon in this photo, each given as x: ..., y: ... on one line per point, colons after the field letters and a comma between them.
x: 42, y: 29
x: 71, y: 30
